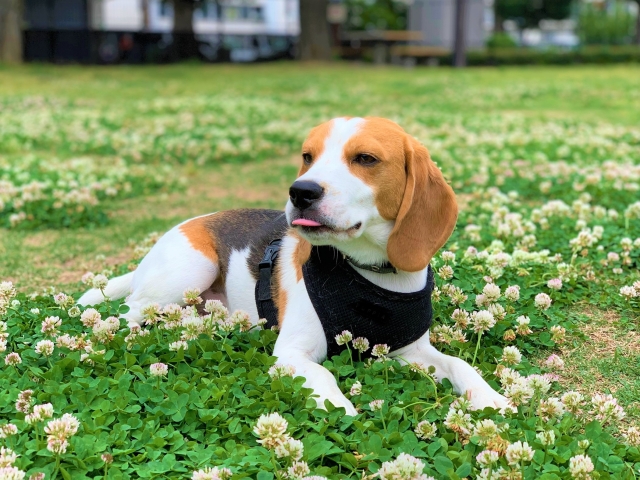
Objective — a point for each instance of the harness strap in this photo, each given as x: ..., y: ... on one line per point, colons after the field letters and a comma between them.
x: 264, y: 302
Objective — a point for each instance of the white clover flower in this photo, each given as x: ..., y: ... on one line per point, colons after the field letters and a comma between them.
x: 497, y: 311
x: 90, y: 317
x: 425, y: 430
x: 107, y: 458
x: 522, y: 327
x: 158, y: 369
x: 7, y: 457
x: 178, y: 345
x: 482, y: 321
x: 404, y: 467
x: 485, y: 430
x: 50, y: 326
x: 99, y: 281
x: 555, y: 284
x: 606, y: 408
x: 628, y: 292
x: 519, y: 392
x: 508, y: 376
x: 511, y: 356
x: 151, y: 313
x: 356, y: 389
x: 512, y: 293
x: 558, y: 333
x: 361, y: 344
x: 461, y: 318
x: 572, y: 401
x: 539, y: 383
x: 212, y: 473
x: 376, y: 405
x: 45, y: 347
x: 445, y: 272
x: 23, y: 403
x: 59, y: 431
x: 35, y: 311
x: 546, y: 437
x: 298, y: 470
x: 491, y: 292
x: 458, y: 421
x: 543, y: 301
x: 580, y: 466
x: 280, y: 370
x: 7, y: 291
x: 380, y: 350
x: 271, y: 430
x: 632, y: 436
x: 87, y: 278
x: 550, y: 408
x: 13, y: 359
x: 290, y: 448
x: 74, y: 311
x: 344, y: 338
x: 518, y: 452
x: 554, y: 362
x: 7, y: 430
x: 241, y: 319
x: 448, y: 256
x: 11, y: 472
x: 191, y: 296
x: 487, y: 457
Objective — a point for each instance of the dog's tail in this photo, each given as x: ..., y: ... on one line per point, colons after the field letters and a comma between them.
x: 117, y: 288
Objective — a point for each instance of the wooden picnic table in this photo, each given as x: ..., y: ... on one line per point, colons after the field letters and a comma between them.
x: 381, y: 40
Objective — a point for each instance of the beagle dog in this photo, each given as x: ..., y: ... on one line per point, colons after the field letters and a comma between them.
x: 365, y: 188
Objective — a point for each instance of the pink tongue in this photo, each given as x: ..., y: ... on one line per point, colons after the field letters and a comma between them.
x: 305, y: 222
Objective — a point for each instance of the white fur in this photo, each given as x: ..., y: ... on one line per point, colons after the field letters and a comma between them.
x: 240, y: 285
x: 118, y: 287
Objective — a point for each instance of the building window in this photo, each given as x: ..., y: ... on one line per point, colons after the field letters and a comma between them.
x: 207, y: 10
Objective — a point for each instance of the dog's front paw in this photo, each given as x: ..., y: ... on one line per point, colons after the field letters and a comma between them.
x: 484, y: 396
x: 338, y: 401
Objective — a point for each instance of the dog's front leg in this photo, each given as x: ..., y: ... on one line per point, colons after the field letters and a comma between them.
x: 464, y: 378
x: 302, y: 344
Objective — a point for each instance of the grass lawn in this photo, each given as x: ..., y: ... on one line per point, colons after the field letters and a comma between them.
x: 166, y: 143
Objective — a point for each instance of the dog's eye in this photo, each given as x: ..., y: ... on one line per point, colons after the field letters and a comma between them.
x: 365, y: 159
x: 306, y: 158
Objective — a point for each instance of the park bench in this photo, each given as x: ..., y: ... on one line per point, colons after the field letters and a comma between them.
x: 380, y: 41
x: 412, y: 53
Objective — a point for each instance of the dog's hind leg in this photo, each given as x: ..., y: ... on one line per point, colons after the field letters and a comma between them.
x: 171, y: 267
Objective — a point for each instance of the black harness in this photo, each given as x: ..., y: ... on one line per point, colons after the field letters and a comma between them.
x: 345, y: 300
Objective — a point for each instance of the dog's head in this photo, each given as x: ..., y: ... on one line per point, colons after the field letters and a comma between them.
x: 372, y: 191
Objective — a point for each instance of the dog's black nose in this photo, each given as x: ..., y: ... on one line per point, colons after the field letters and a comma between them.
x: 303, y: 193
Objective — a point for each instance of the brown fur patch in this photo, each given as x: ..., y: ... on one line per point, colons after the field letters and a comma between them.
x: 300, y: 255
x: 279, y: 295
x: 314, y: 144
x: 384, y: 140
x: 200, y: 237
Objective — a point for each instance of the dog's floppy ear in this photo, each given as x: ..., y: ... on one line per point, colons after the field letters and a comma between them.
x: 427, y: 214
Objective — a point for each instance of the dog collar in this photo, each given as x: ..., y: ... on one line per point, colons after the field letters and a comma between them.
x: 384, y: 268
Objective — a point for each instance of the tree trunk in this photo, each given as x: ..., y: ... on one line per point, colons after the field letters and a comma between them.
x: 459, y: 47
x: 185, y: 45
x: 498, y: 23
x: 11, y: 31
x: 315, y: 40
